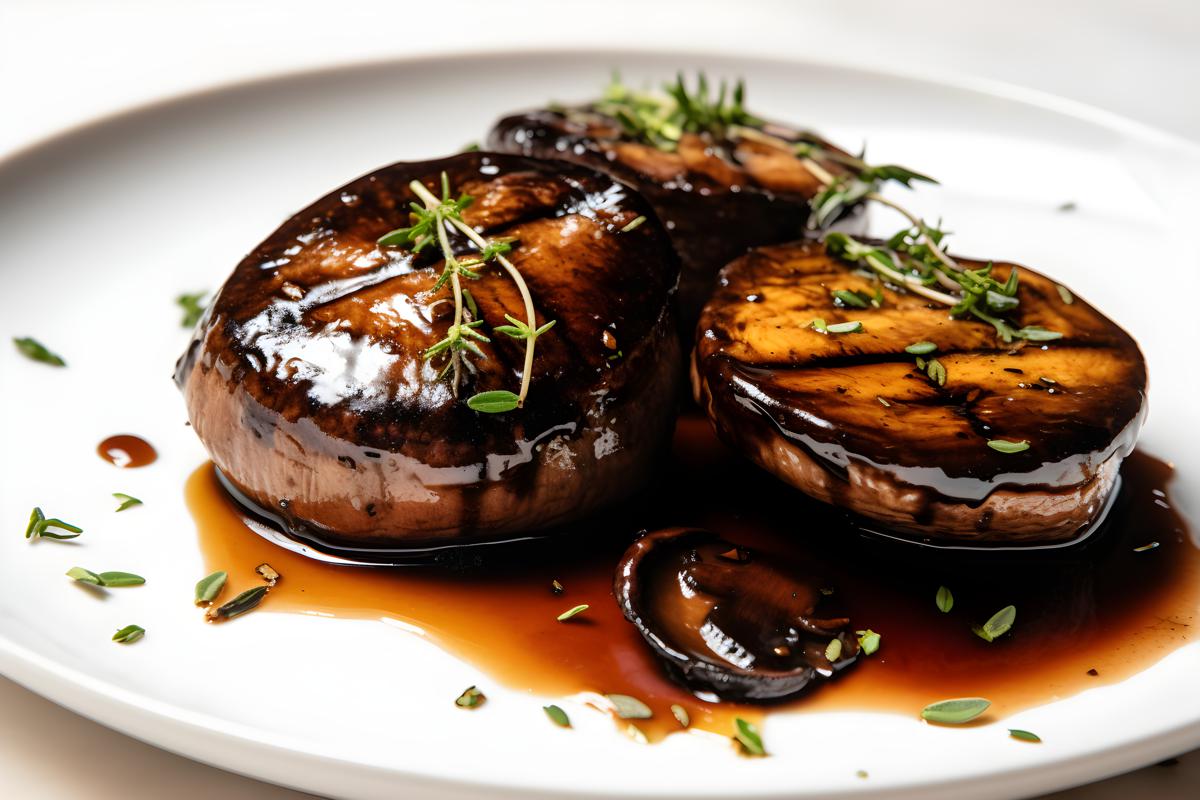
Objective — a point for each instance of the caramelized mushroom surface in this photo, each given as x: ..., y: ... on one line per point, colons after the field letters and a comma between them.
x: 852, y: 418
x: 725, y: 622
x: 717, y: 196
x: 310, y: 383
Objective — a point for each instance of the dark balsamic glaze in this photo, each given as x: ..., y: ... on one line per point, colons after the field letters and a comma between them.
x: 127, y: 451
x: 1087, y: 615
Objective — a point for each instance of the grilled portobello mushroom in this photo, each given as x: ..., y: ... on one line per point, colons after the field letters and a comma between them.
x: 1016, y: 442
x: 309, y: 383
x: 723, y: 182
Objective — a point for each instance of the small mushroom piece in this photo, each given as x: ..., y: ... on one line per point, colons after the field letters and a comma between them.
x: 743, y: 628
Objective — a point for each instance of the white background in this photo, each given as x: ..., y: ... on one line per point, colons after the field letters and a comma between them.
x: 63, y: 62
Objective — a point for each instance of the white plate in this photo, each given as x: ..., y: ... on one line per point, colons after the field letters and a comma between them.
x: 101, y: 228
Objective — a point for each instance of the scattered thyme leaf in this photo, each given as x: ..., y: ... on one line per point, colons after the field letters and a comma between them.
x: 572, y: 612
x: 1065, y: 294
x: 627, y: 707
x: 106, y: 579
x: 819, y: 325
x: 681, y: 715
x: 193, y: 308
x: 127, y: 500
x: 36, y: 351
x: 243, y: 602
x: 471, y: 698
x: 1143, y: 548
x: 998, y: 625
x: 869, y: 641
x: 1024, y: 736
x: 634, y: 225
x: 1070, y: 205
x: 944, y: 600
x: 848, y: 299
x: 883, y: 402
x: 635, y: 733
x: 936, y: 371
x: 84, y: 576
x: 1006, y: 446
x: 557, y: 716
x: 209, y: 587
x: 40, y: 527
x: 833, y: 650
x: 118, y: 579
x: 497, y: 401
x: 846, y: 327
x: 920, y: 348
x: 748, y: 738
x: 955, y: 712
x: 129, y: 634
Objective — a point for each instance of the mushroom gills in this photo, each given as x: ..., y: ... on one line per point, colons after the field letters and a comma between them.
x: 726, y: 622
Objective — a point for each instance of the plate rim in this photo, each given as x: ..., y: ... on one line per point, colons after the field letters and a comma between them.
x: 75, y: 690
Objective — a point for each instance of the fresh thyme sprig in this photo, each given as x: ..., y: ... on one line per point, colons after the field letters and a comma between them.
x: 432, y: 222
x: 661, y: 118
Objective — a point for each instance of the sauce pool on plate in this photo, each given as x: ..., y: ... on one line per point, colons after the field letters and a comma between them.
x: 127, y: 451
x: 1086, y: 616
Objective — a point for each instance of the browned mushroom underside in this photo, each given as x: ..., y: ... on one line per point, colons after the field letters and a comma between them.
x: 850, y: 418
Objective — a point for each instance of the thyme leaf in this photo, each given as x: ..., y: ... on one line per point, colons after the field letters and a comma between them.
x: 36, y: 351
x: 129, y: 634
x: 127, y: 501
x: 955, y: 712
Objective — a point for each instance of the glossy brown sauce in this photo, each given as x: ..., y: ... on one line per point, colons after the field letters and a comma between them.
x: 1100, y: 607
x: 127, y: 451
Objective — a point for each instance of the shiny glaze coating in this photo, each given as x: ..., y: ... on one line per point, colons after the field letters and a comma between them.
x: 716, y: 197
x: 306, y: 378
x: 724, y: 620
x: 850, y: 419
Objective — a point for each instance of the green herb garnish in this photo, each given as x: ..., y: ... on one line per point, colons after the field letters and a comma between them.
x: 36, y: 351
x: 748, y: 738
x: 661, y: 118
x: 571, y: 612
x: 847, y: 298
x: 209, y: 587
x: 955, y: 712
x: 1006, y: 446
x: 634, y: 225
x: 193, y: 308
x: 470, y: 698
x: 833, y: 650
x: 41, y: 528
x: 106, y: 579
x: 1143, y: 548
x: 246, y: 601
x: 944, y: 599
x: 1024, y: 736
x: 681, y: 715
x: 868, y: 640
x: 839, y: 327
x: 998, y: 625
x: 431, y: 223
x: 127, y: 501
x: 627, y: 707
x: 494, y: 402
x: 557, y: 716
x: 936, y: 371
x: 130, y: 633
x: 920, y: 348
x: 1065, y: 294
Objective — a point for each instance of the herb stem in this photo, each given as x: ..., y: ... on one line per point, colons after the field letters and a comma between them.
x: 922, y: 229
x: 911, y: 283
x: 433, y: 202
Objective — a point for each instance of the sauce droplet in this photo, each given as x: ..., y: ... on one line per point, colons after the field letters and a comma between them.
x: 126, y: 450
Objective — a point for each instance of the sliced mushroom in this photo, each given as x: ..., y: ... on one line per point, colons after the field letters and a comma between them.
x: 727, y: 622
